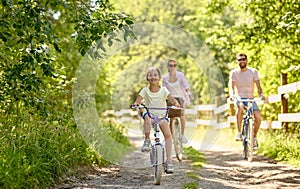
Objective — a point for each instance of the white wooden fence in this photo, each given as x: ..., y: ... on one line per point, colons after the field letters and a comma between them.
x: 215, y: 111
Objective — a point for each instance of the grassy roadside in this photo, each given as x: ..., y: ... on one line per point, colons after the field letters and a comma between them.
x: 283, y: 147
x: 36, y: 153
x: 197, y: 160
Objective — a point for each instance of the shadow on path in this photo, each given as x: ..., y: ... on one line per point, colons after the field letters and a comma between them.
x: 228, y: 169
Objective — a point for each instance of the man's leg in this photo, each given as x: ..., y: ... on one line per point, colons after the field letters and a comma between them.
x: 257, y: 121
x: 239, y: 118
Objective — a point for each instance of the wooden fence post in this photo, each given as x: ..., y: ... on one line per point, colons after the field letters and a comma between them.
x: 218, y: 103
x: 284, y: 101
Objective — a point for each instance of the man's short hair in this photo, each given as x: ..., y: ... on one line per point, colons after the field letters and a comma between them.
x: 241, y: 54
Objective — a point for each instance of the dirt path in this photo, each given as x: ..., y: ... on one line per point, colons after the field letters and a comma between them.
x: 224, y: 168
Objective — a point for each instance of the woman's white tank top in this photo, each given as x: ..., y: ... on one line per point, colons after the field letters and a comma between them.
x: 174, y: 88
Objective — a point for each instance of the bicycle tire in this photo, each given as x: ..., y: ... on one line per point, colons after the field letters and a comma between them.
x: 177, y: 138
x: 158, y: 164
x: 251, y: 140
x: 245, y: 140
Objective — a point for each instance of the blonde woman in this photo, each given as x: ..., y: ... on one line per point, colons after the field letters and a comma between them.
x: 178, y: 86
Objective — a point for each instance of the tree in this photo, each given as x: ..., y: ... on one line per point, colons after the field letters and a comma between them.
x: 41, y: 44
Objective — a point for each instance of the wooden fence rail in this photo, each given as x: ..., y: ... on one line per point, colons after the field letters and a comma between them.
x: 215, y: 112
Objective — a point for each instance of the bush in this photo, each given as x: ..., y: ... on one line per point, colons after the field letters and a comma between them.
x: 281, y: 146
x: 36, y: 151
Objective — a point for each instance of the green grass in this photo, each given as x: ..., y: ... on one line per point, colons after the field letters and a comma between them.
x: 191, y: 185
x: 194, y: 156
x: 284, y: 147
x: 197, y: 160
x: 36, y: 152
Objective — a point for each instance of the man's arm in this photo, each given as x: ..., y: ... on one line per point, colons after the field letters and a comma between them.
x: 231, y: 87
x: 259, y: 89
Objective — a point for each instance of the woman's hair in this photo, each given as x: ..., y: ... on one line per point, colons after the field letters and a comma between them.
x: 153, y: 69
x: 171, y: 60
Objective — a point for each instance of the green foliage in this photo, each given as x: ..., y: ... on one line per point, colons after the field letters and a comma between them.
x: 268, y: 31
x: 281, y: 146
x: 35, y: 152
x: 41, y: 43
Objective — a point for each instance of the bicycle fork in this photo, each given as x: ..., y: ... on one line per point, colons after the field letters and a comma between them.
x: 153, y: 147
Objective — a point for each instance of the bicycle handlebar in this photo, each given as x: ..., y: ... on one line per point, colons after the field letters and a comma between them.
x: 247, y: 99
x: 250, y: 100
x: 140, y: 106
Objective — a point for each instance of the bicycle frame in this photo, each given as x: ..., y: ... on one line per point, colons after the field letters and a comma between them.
x: 248, y: 128
x: 157, y: 153
x: 155, y: 126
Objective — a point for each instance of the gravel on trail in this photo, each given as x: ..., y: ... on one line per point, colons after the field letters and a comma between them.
x: 224, y: 168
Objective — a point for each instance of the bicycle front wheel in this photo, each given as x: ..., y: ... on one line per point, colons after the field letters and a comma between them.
x: 246, y: 139
x: 158, y: 164
x: 177, y: 138
x: 250, y: 140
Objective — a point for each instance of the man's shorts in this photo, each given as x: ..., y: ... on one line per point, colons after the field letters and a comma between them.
x: 254, y: 105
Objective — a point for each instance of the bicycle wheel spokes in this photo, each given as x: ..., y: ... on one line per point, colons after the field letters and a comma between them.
x: 158, y: 164
x: 177, y: 138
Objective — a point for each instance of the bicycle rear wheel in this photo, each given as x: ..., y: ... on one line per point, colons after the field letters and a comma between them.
x: 158, y: 164
x: 177, y: 138
x: 250, y: 140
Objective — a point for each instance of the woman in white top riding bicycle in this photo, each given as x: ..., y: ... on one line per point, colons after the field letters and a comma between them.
x: 178, y: 86
x: 156, y: 96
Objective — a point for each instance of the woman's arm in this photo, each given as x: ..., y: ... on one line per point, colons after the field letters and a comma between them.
x: 183, y: 80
